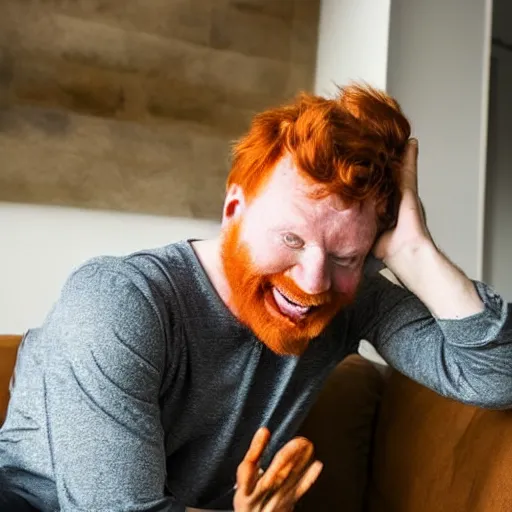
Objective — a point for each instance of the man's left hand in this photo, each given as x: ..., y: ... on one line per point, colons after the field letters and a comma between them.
x: 410, y: 232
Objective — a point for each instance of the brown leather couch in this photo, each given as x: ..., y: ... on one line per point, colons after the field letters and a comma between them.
x: 390, y: 445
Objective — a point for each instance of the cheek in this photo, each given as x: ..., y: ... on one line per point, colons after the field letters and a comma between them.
x: 273, y: 258
x: 346, y: 281
x: 268, y: 255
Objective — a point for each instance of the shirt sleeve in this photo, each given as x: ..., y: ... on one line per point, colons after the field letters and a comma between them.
x: 469, y: 359
x: 102, y: 381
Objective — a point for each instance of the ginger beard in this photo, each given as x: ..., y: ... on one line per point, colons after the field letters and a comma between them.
x: 256, y: 298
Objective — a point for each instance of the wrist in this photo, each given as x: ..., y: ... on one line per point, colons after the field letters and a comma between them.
x: 412, y: 258
x: 436, y: 281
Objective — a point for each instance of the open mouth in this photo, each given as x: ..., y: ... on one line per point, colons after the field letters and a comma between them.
x: 289, y: 308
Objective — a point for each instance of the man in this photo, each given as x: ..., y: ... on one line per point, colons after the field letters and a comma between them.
x: 176, y: 377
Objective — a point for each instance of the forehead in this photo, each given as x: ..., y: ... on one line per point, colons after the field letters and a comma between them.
x: 286, y: 203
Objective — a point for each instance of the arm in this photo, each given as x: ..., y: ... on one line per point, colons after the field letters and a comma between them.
x: 102, y: 379
x: 410, y: 253
x: 468, y: 359
x: 444, y: 331
x: 440, y: 285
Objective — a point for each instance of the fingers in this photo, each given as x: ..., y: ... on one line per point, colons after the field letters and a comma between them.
x: 287, y: 465
x: 308, y: 479
x: 258, y: 444
x: 409, y: 166
x: 290, y: 493
x: 289, y: 476
x: 247, y: 474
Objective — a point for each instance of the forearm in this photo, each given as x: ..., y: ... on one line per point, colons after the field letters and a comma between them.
x: 443, y: 330
x: 439, y: 284
x: 468, y: 359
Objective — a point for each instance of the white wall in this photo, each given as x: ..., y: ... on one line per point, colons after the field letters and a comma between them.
x: 433, y: 56
x: 438, y: 69
x: 41, y: 245
x: 498, y: 226
x: 352, y: 43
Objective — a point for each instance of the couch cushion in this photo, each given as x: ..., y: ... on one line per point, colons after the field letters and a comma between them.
x: 434, y: 454
x: 340, y: 425
x: 8, y: 350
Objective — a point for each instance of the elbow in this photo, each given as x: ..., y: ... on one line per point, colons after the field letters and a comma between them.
x: 486, y: 384
x: 499, y: 404
x: 495, y: 397
x: 496, y: 403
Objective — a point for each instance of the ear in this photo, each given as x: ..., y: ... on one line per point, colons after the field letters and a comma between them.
x: 234, y: 204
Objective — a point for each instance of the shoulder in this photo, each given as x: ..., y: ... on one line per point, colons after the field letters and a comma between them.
x: 143, y: 276
x: 109, y: 281
x: 107, y: 311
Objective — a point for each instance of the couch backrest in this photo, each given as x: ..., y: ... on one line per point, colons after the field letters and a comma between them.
x: 340, y: 425
x: 8, y: 350
x: 434, y: 454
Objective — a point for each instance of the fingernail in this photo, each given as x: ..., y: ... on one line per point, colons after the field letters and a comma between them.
x: 413, y: 141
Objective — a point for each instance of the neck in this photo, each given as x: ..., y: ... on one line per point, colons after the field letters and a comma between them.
x: 209, y: 254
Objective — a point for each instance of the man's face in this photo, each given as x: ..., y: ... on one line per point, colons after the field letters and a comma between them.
x: 292, y: 261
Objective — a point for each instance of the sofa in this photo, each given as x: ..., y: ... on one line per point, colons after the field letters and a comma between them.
x: 389, y: 444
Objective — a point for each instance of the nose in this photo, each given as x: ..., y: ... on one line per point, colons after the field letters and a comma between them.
x: 311, y: 273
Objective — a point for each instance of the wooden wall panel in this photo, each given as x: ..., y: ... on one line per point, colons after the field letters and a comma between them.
x: 134, y: 105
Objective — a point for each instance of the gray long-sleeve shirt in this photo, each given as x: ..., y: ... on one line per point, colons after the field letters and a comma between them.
x: 141, y: 391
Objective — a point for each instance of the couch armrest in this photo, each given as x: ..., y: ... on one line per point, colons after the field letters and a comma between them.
x: 8, y: 349
x: 435, y: 454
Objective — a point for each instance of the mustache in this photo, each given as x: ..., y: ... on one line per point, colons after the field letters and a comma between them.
x: 292, y: 292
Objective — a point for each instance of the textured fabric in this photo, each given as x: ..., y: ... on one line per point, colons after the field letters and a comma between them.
x: 10, y: 501
x: 434, y: 454
x: 141, y: 391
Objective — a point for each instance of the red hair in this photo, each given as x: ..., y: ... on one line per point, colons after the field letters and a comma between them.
x: 352, y: 144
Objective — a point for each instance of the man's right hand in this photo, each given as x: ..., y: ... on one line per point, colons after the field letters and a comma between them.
x: 288, y: 477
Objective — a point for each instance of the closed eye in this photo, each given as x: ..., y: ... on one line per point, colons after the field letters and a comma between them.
x: 346, y: 261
